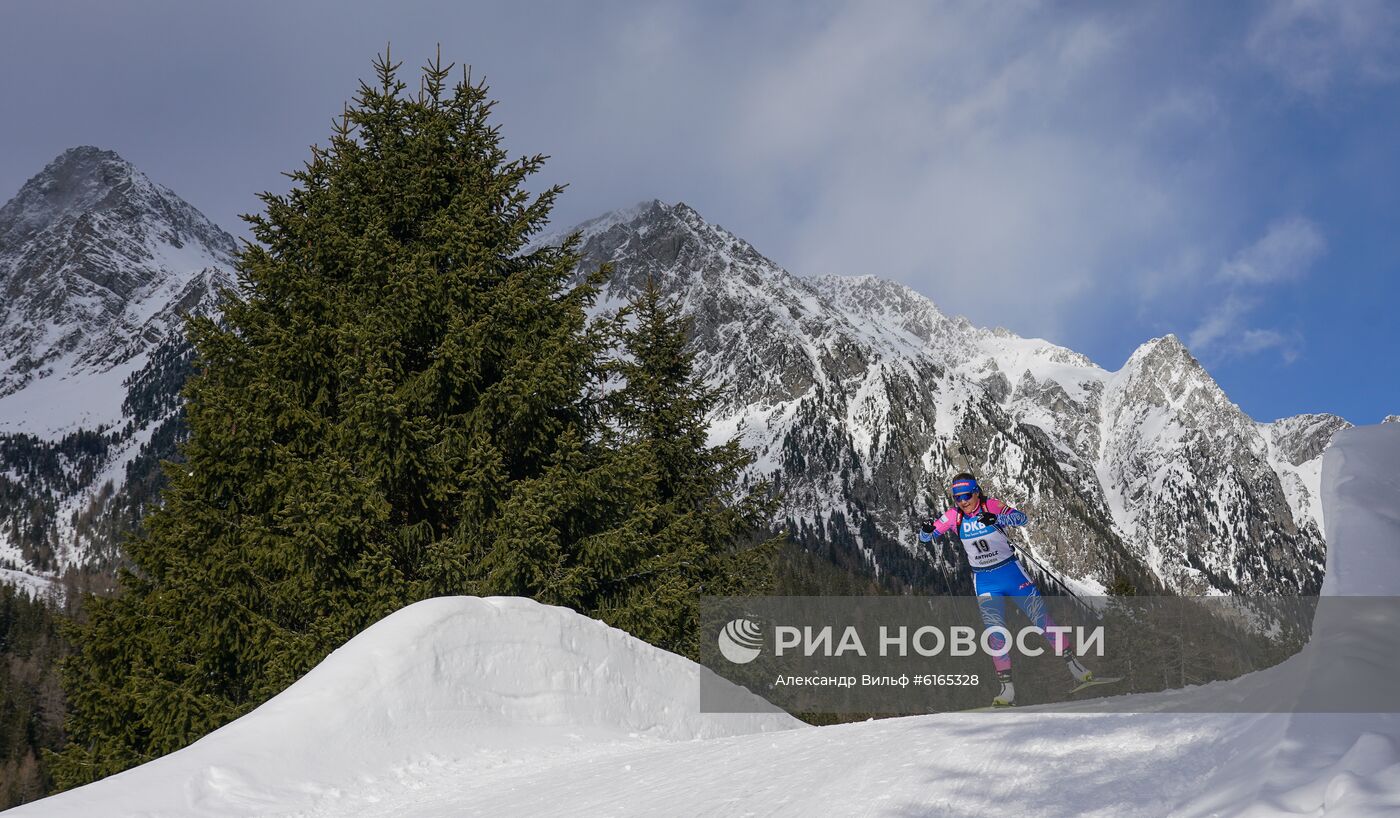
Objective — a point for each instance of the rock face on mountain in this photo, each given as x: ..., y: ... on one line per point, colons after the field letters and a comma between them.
x: 861, y: 399
x: 98, y: 267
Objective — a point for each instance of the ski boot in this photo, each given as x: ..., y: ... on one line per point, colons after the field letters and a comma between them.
x: 1080, y: 673
x: 1007, y: 696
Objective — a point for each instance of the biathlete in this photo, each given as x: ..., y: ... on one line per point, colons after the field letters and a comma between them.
x: 977, y: 522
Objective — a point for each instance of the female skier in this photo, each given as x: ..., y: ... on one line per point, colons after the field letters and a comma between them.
x: 996, y: 574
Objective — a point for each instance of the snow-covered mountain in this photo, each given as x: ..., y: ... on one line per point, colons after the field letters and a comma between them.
x: 465, y: 706
x: 862, y: 399
x: 98, y: 266
x: 858, y: 394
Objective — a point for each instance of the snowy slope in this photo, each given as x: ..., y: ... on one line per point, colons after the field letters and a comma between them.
x: 555, y: 714
x: 1296, y: 445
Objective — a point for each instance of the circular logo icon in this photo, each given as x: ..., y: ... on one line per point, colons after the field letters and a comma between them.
x: 741, y: 640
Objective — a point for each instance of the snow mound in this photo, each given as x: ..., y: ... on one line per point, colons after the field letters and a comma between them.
x: 507, y: 662
x: 455, y: 686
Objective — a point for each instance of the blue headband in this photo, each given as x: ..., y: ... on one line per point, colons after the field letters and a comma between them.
x: 964, y: 486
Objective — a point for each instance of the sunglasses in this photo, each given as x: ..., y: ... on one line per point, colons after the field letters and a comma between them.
x: 961, y: 498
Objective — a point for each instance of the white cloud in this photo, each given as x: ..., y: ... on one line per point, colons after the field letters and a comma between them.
x: 1315, y: 44
x: 965, y: 154
x: 1221, y: 321
x: 1222, y: 336
x: 1285, y: 253
x: 1037, y: 168
x: 1254, y: 341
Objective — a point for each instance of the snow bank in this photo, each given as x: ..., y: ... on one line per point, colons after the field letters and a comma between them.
x: 1333, y: 764
x: 447, y: 688
x: 1348, y: 764
x: 1361, y: 500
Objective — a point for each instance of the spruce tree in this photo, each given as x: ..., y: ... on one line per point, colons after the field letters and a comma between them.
x: 401, y: 401
x: 698, y: 530
x: 405, y: 400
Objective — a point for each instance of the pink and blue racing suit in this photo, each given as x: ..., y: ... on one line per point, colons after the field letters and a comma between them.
x: 997, y: 574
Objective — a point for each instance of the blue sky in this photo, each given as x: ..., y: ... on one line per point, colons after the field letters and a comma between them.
x: 1094, y: 174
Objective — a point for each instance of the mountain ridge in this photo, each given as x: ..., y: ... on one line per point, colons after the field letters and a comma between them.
x: 917, y: 395
x: 859, y: 397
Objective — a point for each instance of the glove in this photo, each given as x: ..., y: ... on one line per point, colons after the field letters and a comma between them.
x: 987, y: 518
x: 1012, y: 517
x: 927, y: 531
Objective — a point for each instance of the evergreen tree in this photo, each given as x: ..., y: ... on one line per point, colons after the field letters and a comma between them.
x: 403, y: 401
x: 31, y: 701
x: 400, y: 402
x: 1122, y: 586
x: 696, y: 530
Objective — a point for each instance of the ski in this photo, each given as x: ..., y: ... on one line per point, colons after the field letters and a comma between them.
x: 1107, y: 680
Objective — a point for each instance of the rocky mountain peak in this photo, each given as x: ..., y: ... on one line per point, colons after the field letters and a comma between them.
x: 673, y: 245
x: 97, y: 264
x: 1163, y: 373
x: 1186, y: 469
x: 77, y: 181
x: 87, y: 189
x: 889, y: 305
x: 1166, y: 352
